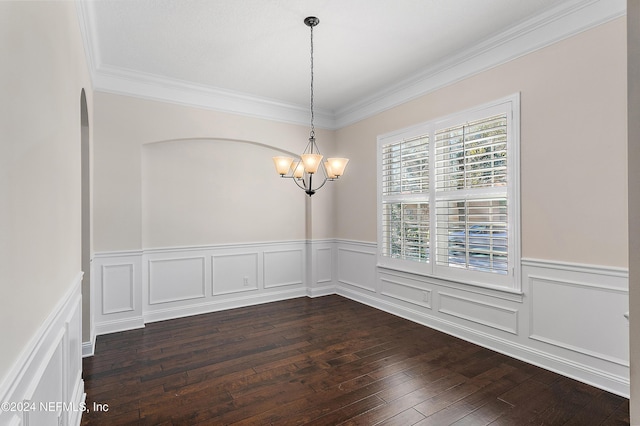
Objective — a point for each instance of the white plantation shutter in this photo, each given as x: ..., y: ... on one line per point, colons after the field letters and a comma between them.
x: 448, y: 197
x: 405, y: 189
x: 471, y: 195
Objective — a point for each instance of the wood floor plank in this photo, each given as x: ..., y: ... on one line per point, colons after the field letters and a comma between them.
x: 302, y: 411
x: 323, y: 361
x: 406, y: 401
x: 406, y: 418
x: 599, y: 409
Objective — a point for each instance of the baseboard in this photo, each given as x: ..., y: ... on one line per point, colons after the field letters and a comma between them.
x: 50, y: 368
x: 88, y: 348
x: 321, y: 291
x: 115, y: 326
x: 219, y: 305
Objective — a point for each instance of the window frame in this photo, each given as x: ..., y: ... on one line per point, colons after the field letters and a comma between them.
x: 507, y: 282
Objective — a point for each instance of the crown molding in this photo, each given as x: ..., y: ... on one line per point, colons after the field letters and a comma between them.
x: 558, y: 23
x: 554, y: 25
x: 153, y: 87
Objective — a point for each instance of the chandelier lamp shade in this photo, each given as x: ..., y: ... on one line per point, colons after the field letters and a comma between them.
x: 308, y: 171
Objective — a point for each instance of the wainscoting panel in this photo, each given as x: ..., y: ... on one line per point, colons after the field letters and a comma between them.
x: 356, y: 266
x: 117, y: 288
x: 568, y: 318
x: 283, y: 268
x: 176, y: 279
x: 117, y: 291
x: 320, y: 270
x: 45, y: 387
x: 324, y: 265
x: 174, y: 282
x: 405, y: 290
x: 475, y: 311
x: 49, y: 388
x: 233, y: 273
x: 585, y: 326
x: 72, y: 362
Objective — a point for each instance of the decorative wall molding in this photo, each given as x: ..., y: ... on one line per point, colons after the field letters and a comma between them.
x: 406, y: 291
x: 354, y: 266
x: 488, y: 314
x: 158, y: 88
x: 597, y: 270
x: 320, y: 264
x: 586, y: 328
x: 176, y: 278
x: 182, y: 281
x: 233, y: 273
x: 283, y: 267
x: 588, y: 347
x: 49, y: 370
x: 117, y: 295
x: 214, y: 305
x: 563, y: 21
x: 324, y: 265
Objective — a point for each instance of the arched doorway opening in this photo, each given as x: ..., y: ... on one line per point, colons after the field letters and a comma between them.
x: 85, y: 172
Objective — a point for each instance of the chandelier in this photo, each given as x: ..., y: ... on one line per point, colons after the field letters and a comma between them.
x: 309, y: 165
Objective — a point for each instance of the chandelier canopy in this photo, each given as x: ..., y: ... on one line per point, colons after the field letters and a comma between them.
x: 303, y: 169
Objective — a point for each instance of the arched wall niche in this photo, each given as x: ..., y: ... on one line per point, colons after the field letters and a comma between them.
x: 208, y: 191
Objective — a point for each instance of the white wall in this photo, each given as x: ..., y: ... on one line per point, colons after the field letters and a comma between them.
x: 128, y: 170
x: 42, y: 74
x: 200, y: 192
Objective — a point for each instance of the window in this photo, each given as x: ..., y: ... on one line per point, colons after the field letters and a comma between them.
x: 448, y: 198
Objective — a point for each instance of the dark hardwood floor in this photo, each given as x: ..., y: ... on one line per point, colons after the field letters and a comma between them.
x: 323, y: 361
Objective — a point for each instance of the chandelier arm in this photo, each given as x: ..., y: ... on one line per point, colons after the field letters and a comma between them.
x: 321, y: 185
x: 304, y: 184
x: 309, y: 189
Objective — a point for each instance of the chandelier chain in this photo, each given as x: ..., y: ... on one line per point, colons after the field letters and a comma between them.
x: 313, y: 132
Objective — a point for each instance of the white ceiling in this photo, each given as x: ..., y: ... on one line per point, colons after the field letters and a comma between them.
x: 258, y: 50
